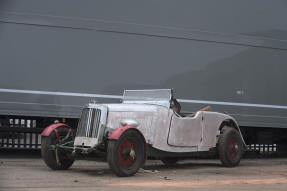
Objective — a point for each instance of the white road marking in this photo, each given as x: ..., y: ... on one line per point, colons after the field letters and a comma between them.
x: 120, y: 97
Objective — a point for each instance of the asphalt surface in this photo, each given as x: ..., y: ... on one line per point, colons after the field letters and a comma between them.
x: 28, y: 172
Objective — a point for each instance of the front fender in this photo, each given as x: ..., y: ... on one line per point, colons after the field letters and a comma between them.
x: 115, y: 135
x: 48, y: 130
x: 118, y: 132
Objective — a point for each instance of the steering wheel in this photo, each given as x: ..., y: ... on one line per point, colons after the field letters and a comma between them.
x: 175, y: 105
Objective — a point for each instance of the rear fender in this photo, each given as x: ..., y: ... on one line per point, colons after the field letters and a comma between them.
x: 231, y: 123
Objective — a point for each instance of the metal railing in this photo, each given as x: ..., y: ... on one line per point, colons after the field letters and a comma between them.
x: 21, y: 132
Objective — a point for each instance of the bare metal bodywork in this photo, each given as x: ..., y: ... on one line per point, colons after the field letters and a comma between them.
x: 162, y: 128
x: 166, y: 131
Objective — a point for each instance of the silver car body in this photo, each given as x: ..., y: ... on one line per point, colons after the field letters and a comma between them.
x: 162, y: 128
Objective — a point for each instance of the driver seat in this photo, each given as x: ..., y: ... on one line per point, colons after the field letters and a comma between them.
x: 207, y: 108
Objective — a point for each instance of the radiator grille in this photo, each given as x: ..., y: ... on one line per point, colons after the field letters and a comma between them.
x: 89, y: 123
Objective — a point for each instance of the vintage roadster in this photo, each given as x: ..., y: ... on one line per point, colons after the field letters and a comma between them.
x: 148, y: 123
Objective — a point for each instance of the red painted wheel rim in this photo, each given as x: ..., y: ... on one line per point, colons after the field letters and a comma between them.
x: 232, y: 148
x: 124, y: 153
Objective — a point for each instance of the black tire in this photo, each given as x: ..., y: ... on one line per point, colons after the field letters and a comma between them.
x: 230, y: 147
x: 65, y: 159
x: 127, y: 154
x: 169, y: 161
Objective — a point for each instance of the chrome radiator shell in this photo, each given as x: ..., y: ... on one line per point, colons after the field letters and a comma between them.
x: 91, y: 126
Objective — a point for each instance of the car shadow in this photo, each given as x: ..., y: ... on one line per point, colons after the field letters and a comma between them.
x: 148, y: 168
x: 185, y: 165
x: 101, y: 172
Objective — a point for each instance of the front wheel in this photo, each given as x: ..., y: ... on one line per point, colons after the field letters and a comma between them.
x: 54, y: 157
x: 230, y: 147
x: 127, y: 154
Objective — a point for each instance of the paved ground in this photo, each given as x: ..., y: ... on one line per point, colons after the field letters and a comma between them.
x: 30, y: 173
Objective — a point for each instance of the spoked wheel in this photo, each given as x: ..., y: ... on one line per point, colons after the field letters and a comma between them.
x: 169, y: 161
x: 55, y: 158
x: 230, y: 147
x: 127, y: 154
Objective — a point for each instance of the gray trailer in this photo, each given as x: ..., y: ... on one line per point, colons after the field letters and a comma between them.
x: 56, y: 56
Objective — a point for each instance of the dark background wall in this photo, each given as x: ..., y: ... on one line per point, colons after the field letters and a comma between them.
x: 206, y: 50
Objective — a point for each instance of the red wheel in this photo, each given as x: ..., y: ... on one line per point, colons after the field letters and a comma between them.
x: 127, y: 154
x: 230, y: 147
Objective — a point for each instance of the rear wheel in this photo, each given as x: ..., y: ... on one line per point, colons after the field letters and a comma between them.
x: 127, y: 154
x: 55, y: 158
x: 230, y: 147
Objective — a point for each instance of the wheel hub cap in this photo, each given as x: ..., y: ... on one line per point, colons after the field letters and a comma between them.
x: 232, y: 148
x: 126, y: 154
